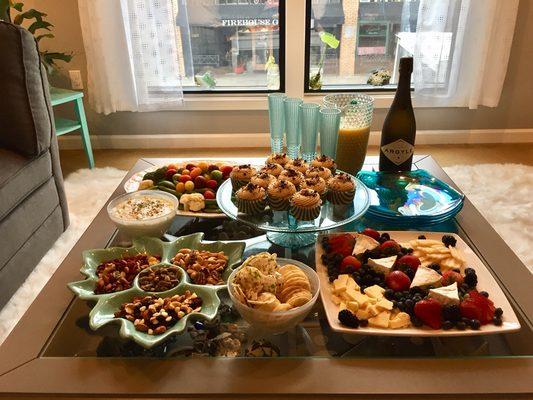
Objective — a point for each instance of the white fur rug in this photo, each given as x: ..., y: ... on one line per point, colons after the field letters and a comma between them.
x: 502, y: 193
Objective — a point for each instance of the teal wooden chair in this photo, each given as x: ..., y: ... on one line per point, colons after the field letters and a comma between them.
x: 64, y: 126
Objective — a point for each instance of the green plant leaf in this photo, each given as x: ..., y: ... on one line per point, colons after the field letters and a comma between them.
x: 18, y: 6
x: 40, y: 25
x: 329, y: 39
x: 46, y: 35
x: 51, y: 57
x: 33, y: 13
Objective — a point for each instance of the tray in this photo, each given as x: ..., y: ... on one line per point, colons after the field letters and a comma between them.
x: 485, y: 282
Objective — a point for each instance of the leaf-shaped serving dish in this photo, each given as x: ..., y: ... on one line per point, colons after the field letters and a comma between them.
x: 109, y: 303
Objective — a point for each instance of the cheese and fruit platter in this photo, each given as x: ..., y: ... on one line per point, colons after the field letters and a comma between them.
x: 407, y: 283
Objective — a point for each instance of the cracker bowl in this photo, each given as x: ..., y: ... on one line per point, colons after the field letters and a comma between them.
x: 276, y: 322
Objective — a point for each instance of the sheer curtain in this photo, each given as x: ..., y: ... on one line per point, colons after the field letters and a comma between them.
x: 132, y: 55
x: 461, y: 51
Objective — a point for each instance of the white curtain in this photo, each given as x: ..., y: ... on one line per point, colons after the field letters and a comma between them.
x: 132, y: 54
x: 461, y: 50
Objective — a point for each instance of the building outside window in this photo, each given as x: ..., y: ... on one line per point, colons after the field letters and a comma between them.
x: 231, y: 45
x: 372, y: 36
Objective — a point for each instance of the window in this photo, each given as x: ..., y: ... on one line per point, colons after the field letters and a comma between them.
x: 356, y: 44
x: 231, y: 45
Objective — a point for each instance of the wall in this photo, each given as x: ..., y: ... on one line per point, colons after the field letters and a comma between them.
x: 514, y: 111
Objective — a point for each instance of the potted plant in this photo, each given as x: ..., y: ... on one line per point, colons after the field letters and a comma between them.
x: 37, y: 24
x: 328, y: 41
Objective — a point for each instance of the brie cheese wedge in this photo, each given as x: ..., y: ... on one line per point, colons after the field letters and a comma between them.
x: 363, y: 243
x: 383, y: 265
x: 425, y: 277
x: 446, y: 295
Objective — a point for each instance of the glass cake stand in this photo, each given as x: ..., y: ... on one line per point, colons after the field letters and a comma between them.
x: 283, y: 229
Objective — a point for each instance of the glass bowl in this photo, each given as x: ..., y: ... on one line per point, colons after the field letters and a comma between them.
x: 276, y: 322
x: 153, y: 226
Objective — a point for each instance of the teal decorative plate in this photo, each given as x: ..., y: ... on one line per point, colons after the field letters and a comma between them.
x: 109, y: 303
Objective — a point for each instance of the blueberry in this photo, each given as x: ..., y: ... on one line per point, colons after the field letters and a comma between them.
x: 497, y: 321
x: 471, y: 280
x: 498, y: 312
x: 461, y: 326
x: 434, y: 266
x: 385, y: 236
x: 484, y: 293
x: 470, y: 271
x: 447, y: 325
x: 416, y: 322
x: 421, y: 237
x: 331, y: 278
x: 409, y: 303
x: 475, y: 324
x: 389, y: 293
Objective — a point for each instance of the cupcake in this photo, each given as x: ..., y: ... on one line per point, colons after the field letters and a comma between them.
x: 305, y: 205
x: 341, y: 189
x: 298, y: 164
x: 280, y: 159
x: 324, y: 161
x: 316, y: 183
x: 322, y: 172
x: 293, y: 176
x: 241, y: 175
x: 251, y: 199
x: 279, y: 194
x: 262, y: 179
x: 272, y: 169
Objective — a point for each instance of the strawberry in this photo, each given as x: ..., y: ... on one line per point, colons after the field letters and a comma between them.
x: 450, y: 277
x: 477, y: 306
x: 342, y: 244
x: 390, y: 247
x: 409, y: 260
x: 429, y: 311
x: 371, y: 232
x: 398, y: 281
x: 349, y: 261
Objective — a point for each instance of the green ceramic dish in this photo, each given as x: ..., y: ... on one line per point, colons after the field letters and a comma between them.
x: 104, y: 312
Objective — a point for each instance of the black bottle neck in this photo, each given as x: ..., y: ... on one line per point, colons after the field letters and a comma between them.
x: 402, y: 99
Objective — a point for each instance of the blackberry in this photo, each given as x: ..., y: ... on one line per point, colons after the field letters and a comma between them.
x: 497, y: 321
x: 484, y: 293
x: 385, y: 236
x: 498, y: 312
x: 449, y: 240
x: 348, y: 319
x: 451, y: 313
x: 470, y: 271
x: 434, y: 266
x: 475, y: 324
x: 471, y: 280
x: 421, y: 237
x: 447, y: 325
x: 363, y: 323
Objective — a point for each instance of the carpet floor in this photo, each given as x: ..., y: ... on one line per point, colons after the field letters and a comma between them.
x: 503, y: 193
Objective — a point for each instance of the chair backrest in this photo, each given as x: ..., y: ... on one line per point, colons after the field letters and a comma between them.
x: 26, y: 122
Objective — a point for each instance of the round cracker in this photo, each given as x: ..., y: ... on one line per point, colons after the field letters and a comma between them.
x: 300, y: 298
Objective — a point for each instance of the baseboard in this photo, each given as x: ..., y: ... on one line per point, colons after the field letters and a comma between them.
x: 229, y: 140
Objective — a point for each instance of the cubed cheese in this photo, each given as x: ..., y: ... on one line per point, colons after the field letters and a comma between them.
x: 351, y: 284
x: 446, y: 295
x: 342, y: 306
x: 384, y: 304
x: 373, y: 310
x: 363, y: 243
x: 425, y: 276
x: 381, y: 320
x: 350, y: 295
x: 383, y: 265
x: 339, y: 284
x: 401, y: 320
x: 336, y: 299
x: 362, y: 313
x: 375, y: 291
x: 353, y: 306
x: 361, y: 298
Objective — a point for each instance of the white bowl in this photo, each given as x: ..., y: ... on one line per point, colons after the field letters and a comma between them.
x: 155, y: 226
x: 275, y: 322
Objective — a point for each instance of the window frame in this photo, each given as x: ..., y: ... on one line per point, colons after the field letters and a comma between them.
x: 307, y: 67
x: 281, y: 62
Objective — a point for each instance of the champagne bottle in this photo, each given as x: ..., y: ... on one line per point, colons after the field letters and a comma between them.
x: 399, y: 128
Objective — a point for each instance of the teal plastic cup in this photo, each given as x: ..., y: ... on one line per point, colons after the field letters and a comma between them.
x: 276, y: 115
x: 292, y: 125
x: 309, y: 128
x: 329, y: 122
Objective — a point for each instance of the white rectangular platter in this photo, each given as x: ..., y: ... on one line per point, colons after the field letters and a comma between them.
x: 485, y: 282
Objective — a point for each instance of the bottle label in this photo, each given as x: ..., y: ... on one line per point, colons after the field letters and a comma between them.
x: 398, y: 151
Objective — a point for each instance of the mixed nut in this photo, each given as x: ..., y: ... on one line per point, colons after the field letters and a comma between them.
x: 160, y: 279
x: 117, y: 275
x: 204, y: 267
x: 154, y: 315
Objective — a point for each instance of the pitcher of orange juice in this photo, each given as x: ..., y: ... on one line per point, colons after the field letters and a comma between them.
x: 354, y: 130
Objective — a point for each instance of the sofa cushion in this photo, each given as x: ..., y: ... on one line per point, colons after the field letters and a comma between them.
x: 26, y: 123
x: 19, y: 177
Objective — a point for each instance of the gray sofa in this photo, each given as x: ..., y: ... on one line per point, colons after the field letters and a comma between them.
x: 33, y: 208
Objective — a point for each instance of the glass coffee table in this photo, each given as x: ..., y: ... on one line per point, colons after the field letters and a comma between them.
x: 53, y: 352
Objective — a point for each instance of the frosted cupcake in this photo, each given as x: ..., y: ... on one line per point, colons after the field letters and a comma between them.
x: 280, y: 159
x: 272, y: 169
x: 293, y: 176
x: 251, y: 199
x: 341, y: 189
x: 324, y: 161
x: 262, y: 179
x: 305, y: 205
x: 324, y: 173
x: 241, y: 175
x: 298, y: 164
x: 279, y: 194
x: 317, y: 184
